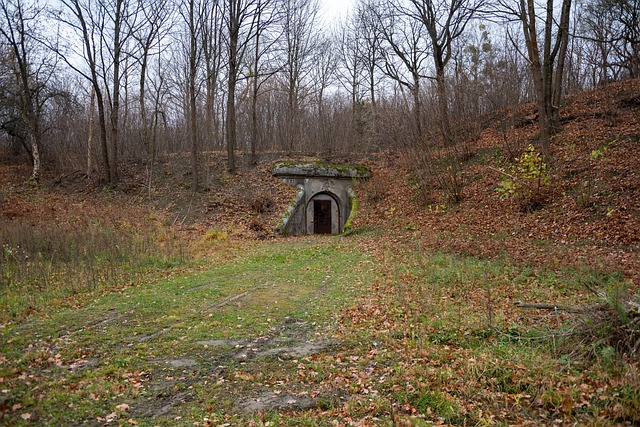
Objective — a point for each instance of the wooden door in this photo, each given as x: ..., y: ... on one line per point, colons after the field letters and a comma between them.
x: 322, y: 216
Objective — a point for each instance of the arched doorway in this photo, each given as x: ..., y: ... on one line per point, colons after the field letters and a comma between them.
x: 323, y: 214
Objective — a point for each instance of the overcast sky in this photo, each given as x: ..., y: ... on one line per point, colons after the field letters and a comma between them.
x: 333, y: 10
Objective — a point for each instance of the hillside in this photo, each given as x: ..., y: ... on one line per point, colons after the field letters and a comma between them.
x: 591, y: 217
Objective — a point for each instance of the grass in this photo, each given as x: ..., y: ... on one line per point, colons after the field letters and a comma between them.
x: 55, y: 264
x: 146, y: 341
x: 317, y: 331
x: 466, y: 352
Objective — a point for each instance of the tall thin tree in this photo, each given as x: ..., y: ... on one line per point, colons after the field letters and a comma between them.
x: 19, y: 31
x: 444, y: 22
x: 242, y: 19
x: 546, y: 52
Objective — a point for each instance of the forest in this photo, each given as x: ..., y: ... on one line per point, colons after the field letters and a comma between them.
x: 490, y: 277
x: 86, y: 84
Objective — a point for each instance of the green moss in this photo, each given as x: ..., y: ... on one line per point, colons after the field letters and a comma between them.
x: 321, y: 169
x: 354, y: 204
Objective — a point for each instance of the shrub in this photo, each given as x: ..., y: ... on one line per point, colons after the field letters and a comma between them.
x: 526, y: 182
x: 439, y: 175
x: 260, y: 203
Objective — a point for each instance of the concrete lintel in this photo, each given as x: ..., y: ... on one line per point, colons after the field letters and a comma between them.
x: 320, y: 170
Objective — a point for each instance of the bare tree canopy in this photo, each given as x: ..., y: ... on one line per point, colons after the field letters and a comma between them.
x: 257, y: 76
x: 27, y: 69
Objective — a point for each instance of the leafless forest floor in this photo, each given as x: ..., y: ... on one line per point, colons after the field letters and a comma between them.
x: 591, y: 218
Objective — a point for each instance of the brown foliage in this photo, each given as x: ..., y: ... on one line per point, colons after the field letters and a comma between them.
x: 595, y: 225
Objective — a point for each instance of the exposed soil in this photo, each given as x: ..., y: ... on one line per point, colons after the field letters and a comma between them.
x: 238, y: 359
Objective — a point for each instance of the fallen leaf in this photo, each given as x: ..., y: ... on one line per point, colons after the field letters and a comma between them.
x: 122, y: 407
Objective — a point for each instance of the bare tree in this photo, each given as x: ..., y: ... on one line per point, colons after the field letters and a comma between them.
x: 105, y: 28
x: 213, y: 33
x: 261, y: 68
x: 322, y: 76
x: 121, y: 16
x: 488, y: 73
x: 368, y: 36
x: 242, y: 20
x: 298, y: 28
x: 149, y: 38
x: 598, y: 26
x: 82, y: 21
x: 351, y: 64
x: 613, y: 27
x: 444, y: 22
x: 546, y: 52
x: 405, y: 53
x: 629, y: 12
x: 192, y: 11
x: 29, y: 68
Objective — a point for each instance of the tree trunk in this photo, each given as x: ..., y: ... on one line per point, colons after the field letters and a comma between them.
x: 113, y: 147
x: 115, y: 103
x: 417, y: 106
x: 143, y: 108
x: 231, y: 123
x: 528, y: 19
x: 254, y: 98
x: 563, y: 40
x: 231, y: 86
x: 92, y: 105
x: 443, y: 106
x: 35, y: 154
x: 254, y: 119
x: 102, y: 122
x: 193, y: 125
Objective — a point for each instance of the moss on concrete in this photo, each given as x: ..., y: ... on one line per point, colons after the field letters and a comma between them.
x: 319, y: 169
x: 354, y: 205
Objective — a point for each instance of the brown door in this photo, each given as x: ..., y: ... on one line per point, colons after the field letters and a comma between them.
x: 322, y: 216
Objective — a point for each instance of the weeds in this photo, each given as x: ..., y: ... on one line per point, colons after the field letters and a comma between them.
x: 607, y: 330
x: 439, y: 175
x: 452, y: 332
x: 48, y: 263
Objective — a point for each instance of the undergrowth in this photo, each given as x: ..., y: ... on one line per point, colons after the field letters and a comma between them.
x: 49, y: 263
x: 449, y: 327
x: 526, y: 181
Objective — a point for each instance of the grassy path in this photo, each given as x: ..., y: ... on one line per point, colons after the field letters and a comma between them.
x: 367, y: 330
x: 182, y: 347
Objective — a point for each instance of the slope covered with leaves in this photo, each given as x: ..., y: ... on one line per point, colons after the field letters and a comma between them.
x: 591, y: 214
x: 151, y: 305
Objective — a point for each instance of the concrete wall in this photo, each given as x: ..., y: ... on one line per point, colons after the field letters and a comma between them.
x: 299, y: 220
x: 317, y: 181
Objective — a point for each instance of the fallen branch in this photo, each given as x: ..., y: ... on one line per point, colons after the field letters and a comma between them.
x: 228, y: 300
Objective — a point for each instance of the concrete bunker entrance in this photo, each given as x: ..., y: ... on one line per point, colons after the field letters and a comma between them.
x: 326, y: 202
x: 323, y: 214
